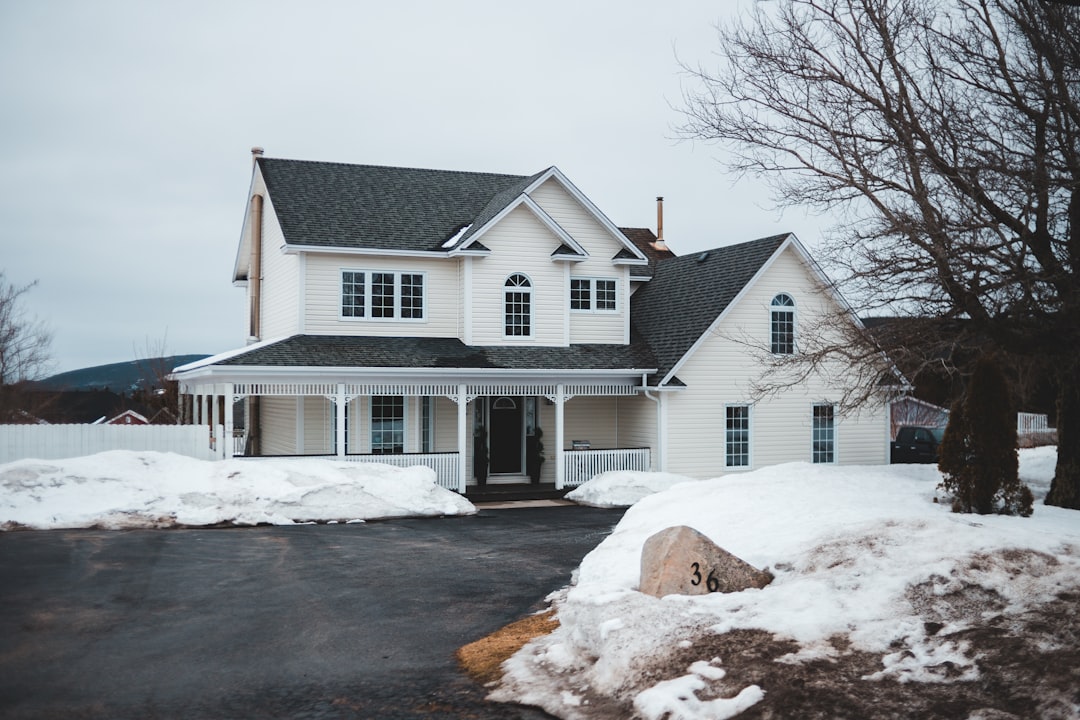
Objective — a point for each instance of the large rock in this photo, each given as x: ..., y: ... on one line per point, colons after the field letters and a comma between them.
x: 680, y: 560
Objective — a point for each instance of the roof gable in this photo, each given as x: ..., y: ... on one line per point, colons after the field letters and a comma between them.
x: 688, y: 294
x: 553, y: 173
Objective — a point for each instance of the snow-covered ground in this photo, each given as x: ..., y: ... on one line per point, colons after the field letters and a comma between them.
x: 864, y: 560
x: 122, y: 489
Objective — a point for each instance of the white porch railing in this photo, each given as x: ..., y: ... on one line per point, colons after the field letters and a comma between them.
x: 1029, y: 423
x: 582, y: 465
x: 445, y: 465
x: 239, y: 443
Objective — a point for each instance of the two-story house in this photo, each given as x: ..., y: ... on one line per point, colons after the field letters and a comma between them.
x: 501, y: 327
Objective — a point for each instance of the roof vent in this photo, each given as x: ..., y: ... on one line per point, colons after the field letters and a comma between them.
x: 703, y: 257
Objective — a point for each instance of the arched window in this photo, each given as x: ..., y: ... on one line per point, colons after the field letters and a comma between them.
x: 518, y: 296
x: 782, y: 325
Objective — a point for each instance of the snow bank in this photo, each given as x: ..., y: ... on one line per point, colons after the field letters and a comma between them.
x: 122, y: 489
x: 862, y: 553
x: 623, y: 488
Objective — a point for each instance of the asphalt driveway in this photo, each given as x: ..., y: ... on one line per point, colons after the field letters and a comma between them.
x: 311, y: 621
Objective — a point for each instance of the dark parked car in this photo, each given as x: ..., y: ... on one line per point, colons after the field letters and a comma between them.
x: 916, y: 444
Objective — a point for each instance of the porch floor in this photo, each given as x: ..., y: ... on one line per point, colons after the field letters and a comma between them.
x: 513, y: 491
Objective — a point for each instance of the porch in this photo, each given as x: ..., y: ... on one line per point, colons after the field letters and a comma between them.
x: 579, y: 467
x: 476, y: 437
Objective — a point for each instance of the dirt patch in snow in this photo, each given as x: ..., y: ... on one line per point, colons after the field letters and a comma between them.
x: 1028, y: 666
x: 1008, y: 667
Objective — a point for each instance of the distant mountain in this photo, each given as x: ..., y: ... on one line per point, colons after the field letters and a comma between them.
x: 121, y: 378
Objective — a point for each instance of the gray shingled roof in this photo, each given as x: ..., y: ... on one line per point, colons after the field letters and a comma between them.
x: 688, y: 293
x: 374, y: 207
x: 643, y: 239
x: 422, y: 352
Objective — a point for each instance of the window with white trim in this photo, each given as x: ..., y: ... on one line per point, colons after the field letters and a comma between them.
x: 387, y: 424
x: 593, y: 294
x: 518, y: 304
x: 782, y: 325
x: 382, y: 295
x: 737, y: 436
x: 823, y: 434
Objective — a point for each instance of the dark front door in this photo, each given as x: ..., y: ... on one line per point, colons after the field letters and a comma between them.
x: 506, y: 434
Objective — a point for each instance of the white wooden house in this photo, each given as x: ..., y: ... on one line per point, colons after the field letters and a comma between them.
x: 501, y: 327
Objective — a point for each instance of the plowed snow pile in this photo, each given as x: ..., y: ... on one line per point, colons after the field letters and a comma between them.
x: 122, y: 489
x: 885, y: 604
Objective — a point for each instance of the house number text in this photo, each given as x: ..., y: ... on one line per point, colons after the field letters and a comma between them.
x: 712, y: 583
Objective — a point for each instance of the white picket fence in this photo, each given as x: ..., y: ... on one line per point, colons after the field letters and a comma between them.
x: 55, y: 442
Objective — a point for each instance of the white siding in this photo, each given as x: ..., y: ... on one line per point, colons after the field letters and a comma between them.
x: 519, y: 243
x: 277, y: 418
x: 720, y: 373
x: 323, y: 296
x: 602, y: 247
x: 280, y: 281
x: 637, y: 423
x: 446, y: 433
x: 317, y: 425
x: 594, y: 419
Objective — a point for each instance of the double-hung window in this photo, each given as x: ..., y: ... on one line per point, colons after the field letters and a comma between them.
x: 387, y: 424
x: 593, y: 294
x: 382, y: 295
x: 737, y: 436
x: 823, y: 434
x: 782, y: 325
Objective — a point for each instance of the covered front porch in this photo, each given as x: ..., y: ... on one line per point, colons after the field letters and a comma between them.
x: 477, y: 436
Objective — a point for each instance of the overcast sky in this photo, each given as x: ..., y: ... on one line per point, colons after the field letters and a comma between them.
x: 126, y: 129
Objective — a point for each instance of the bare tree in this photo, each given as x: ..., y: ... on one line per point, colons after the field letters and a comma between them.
x: 945, y: 138
x: 25, y: 341
x: 25, y: 347
x: 158, y: 392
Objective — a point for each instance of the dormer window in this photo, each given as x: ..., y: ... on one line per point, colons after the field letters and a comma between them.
x: 518, y: 304
x: 782, y: 325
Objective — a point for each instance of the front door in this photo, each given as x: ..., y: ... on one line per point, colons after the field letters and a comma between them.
x: 506, y: 435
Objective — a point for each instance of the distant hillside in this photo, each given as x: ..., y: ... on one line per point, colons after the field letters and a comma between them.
x: 122, y: 378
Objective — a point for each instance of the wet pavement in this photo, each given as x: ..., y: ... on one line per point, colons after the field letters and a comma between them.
x: 310, y: 621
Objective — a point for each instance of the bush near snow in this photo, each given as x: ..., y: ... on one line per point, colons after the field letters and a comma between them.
x: 978, y: 457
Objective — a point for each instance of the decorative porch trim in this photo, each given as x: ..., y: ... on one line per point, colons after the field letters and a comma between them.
x: 474, y: 390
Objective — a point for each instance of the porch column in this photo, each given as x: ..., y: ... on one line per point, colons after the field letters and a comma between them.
x: 212, y: 413
x: 560, y: 453
x: 339, y: 409
x: 462, y: 435
x: 228, y: 408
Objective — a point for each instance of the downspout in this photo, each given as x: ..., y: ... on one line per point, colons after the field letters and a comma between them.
x: 659, y: 434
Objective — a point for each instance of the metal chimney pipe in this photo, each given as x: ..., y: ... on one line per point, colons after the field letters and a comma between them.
x: 660, y: 244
